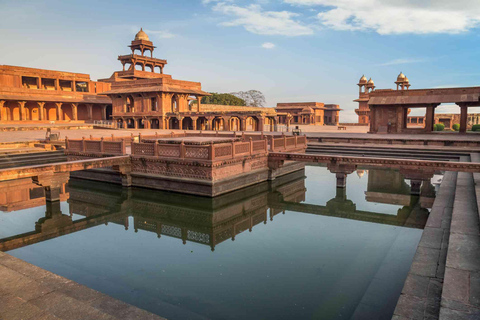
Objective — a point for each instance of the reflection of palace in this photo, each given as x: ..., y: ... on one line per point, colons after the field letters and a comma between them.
x: 211, y: 221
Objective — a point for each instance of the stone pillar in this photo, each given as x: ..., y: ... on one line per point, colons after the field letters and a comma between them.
x: 341, y: 179
x: 261, y: 122
x: 430, y: 118
x: 463, y: 118
x: 57, y: 84
x: 243, y: 124
x: 226, y: 124
x: 104, y: 112
x: 53, y: 184
x: 41, y: 106
x: 90, y: 111
x: 199, y: 103
x: 59, y: 110
x: 2, y: 103
x: 194, y: 123
x: 74, y: 111
x: 341, y: 171
x: 22, y: 110
x: 135, y: 123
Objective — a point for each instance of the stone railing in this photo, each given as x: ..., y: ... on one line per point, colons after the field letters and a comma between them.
x: 286, y: 143
x: 210, y: 151
x: 96, y: 146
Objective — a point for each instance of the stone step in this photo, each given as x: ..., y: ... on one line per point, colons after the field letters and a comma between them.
x: 421, y: 293
x: 455, y: 153
x: 382, y: 154
x: 461, y: 287
x: 34, y: 162
x: 26, y: 156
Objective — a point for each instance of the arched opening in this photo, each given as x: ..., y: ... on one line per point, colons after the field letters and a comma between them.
x: 139, y: 67
x: 82, y: 112
x: 139, y: 51
x: 150, y: 53
x: 174, y: 123
x: 50, y: 112
x: 140, y: 124
x: 97, y: 112
x: 217, y: 124
x: 130, y: 104
x: 159, y: 69
x: 154, y: 124
x: 128, y: 66
x: 252, y: 124
x: 13, y: 110
x: 187, y: 123
x: 192, y: 103
x: 130, y: 123
x: 32, y: 111
x: 120, y: 124
x: 67, y: 112
x: 174, y: 103
x: 202, y: 123
x: 150, y: 67
x: 109, y: 112
x: 270, y: 124
x: 153, y: 104
x: 235, y: 124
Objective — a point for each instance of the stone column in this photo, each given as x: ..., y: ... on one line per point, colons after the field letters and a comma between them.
x: 261, y: 122
x: 104, y: 112
x: 194, y: 123
x: 74, y: 111
x: 90, y: 111
x: 59, y: 110
x: 430, y: 118
x: 243, y: 124
x: 22, y: 110
x: 41, y: 105
x: 341, y: 171
x: 2, y: 103
x: 463, y: 118
x: 53, y: 184
x: 135, y: 123
x: 199, y: 102
x: 226, y: 124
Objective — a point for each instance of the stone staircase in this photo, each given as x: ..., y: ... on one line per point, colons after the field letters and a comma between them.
x: 444, y: 279
x: 389, y: 151
x: 30, y: 158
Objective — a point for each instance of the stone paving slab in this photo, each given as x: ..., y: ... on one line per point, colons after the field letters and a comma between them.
x: 30, y: 292
x: 461, y: 288
x: 421, y: 294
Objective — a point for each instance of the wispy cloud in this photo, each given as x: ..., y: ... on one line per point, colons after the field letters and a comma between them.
x: 163, y: 34
x: 397, y: 16
x: 268, y: 45
x: 258, y: 21
x: 401, y: 61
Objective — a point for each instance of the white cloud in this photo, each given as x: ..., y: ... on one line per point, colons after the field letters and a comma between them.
x: 397, y: 16
x: 401, y: 61
x: 257, y: 21
x: 268, y: 45
x: 164, y: 34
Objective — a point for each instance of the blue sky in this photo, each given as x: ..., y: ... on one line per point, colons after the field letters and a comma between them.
x: 291, y: 50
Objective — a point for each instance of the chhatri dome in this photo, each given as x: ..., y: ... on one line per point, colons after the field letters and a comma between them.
x: 401, y: 77
x: 141, y: 35
x: 363, y: 79
x: 370, y: 82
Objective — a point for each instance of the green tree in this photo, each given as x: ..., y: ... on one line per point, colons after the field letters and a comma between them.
x: 223, y: 99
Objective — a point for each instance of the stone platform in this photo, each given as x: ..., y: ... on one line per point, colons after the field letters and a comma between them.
x: 30, y: 292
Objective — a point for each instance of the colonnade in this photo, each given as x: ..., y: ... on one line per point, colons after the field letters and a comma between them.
x: 18, y: 110
x: 188, y: 122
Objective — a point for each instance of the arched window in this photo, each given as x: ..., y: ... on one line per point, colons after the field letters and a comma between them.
x: 174, y: 103
x: 153, y: 102
x: 130, y: 104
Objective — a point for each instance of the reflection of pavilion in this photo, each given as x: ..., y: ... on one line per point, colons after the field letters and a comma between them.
x: 208, y: 221
x: 23, y: 193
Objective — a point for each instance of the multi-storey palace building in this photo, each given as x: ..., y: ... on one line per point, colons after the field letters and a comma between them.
x: 309, y: 113
x: 141, y: 95
x: 28, y: 94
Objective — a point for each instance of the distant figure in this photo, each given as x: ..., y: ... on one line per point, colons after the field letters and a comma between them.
x: 296, y: 131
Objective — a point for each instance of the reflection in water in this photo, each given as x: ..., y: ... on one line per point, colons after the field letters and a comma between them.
x: 301, y: 266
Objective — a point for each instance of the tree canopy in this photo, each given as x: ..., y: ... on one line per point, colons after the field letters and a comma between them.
x: 223, y: 99
x: 252, y: 98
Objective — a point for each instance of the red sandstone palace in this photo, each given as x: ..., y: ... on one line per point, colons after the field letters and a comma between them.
x: 387, y: 110
x: 141, y: 95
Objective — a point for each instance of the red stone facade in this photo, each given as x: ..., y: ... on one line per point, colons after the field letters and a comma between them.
x: 308, y: 113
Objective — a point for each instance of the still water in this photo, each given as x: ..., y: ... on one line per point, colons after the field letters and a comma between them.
x: 298, y: 248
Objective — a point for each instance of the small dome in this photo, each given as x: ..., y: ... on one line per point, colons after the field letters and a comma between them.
x: 141, y: 35
x: 401, y: 77
x: 406, y: 79
x: 370, y: 82
x: 363, y: 79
